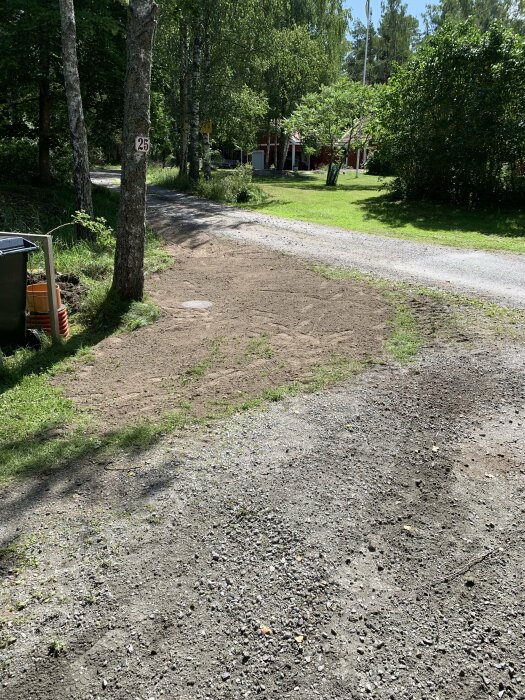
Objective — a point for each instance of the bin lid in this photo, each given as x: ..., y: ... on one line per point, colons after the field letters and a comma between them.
x: 16, y: 244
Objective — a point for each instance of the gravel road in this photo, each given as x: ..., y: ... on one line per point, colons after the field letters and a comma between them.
x: 365, y: 542
x: 361, y: 542
x: 493, y: 275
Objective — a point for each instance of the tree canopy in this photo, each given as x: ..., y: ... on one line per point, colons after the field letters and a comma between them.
x: 31, y: 80
x: 336, y: 120
x: 481, y: 12
x: 212, y: 59
x: 390, y: 44
x: 453, y: 121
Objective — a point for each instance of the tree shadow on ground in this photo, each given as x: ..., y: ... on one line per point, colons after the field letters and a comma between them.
x: 342, y: 186
x: 261, y: 206
x: 430, y: 216
x: 108, y: 318
x: 60, y: 465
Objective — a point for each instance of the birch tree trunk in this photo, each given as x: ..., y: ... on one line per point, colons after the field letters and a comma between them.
x: 284, y: 143
x: 77, y: 127
x: 128, y: 275
x: 193, y: 149
x: 206, y: 140
x: 206, y: 160
x: 184, y: 126
x: 276, y: 146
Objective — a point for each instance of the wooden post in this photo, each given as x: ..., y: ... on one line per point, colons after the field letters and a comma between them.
x: 46, y: 243
x: 47, y: 247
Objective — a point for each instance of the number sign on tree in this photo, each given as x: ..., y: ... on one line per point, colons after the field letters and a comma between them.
x: 128, y: 276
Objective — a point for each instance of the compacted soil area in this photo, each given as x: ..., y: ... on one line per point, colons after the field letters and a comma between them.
x: 363, y: 541
x: 268, y: 320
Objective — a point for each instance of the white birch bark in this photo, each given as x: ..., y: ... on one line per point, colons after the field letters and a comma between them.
x: 77, y: 127
x: 128, y: 275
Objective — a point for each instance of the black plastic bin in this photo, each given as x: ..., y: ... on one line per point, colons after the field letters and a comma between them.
x: 13, y: 282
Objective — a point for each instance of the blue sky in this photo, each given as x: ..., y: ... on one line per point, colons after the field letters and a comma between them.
x: 415, y: 7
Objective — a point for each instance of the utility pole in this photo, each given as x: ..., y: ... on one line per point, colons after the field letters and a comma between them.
x: 367, y: 10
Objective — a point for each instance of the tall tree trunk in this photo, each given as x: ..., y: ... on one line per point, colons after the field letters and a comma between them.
x: 44, y: 106
x: 128, y: 275
x: 284, y: 143
x: 276, y: 147
x: 206, y: 161
x: 206, y: 140
x: 184, y: 125
x: 334, y: 168
x: 268, y: 146
x: 193, y: 148
x: 79, y: 145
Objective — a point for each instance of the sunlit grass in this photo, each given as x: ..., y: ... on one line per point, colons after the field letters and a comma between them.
x: 362, y: 205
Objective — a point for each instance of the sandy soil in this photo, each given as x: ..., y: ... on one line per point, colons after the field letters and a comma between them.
x: 272, y: 320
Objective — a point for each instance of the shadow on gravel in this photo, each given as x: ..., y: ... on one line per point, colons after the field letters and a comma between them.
x: 181, y: 225
x: 191, y: 224
x: 70, y: 463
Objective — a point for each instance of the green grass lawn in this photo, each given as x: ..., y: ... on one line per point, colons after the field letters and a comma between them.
x: 360, y: 204
x: 40, y: 427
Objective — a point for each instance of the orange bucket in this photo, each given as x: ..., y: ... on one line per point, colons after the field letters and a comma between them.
x: 42, y: 322
x: 37, y: 301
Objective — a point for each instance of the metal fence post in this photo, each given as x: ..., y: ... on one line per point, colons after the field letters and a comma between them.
x: 46, y: 243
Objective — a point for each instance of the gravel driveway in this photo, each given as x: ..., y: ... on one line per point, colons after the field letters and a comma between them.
x: 496, y: 276
x: 362, y: 542
x: 365, y: 542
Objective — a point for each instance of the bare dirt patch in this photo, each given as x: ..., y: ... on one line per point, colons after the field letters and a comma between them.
x: 272, y: 321
x: 72, y: 290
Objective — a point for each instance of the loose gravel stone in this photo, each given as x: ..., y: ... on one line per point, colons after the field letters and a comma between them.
x: 323, y: 571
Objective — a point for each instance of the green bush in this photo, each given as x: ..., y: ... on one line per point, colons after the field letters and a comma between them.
x: 169, y: 177
x: 19, y: 161
x: 453, y: 120
x: 377, y: 164
x: 233, y: 188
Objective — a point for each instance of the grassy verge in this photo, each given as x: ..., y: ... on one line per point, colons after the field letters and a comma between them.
x: 362, y: 205
x: 461, y: 313
x: 40, y: 427
x: 404, y: 340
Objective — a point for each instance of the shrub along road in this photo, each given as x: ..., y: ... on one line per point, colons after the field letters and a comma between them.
x: 494, y: 275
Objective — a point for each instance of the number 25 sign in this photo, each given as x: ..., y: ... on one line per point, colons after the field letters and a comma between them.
x: 142, y: 144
